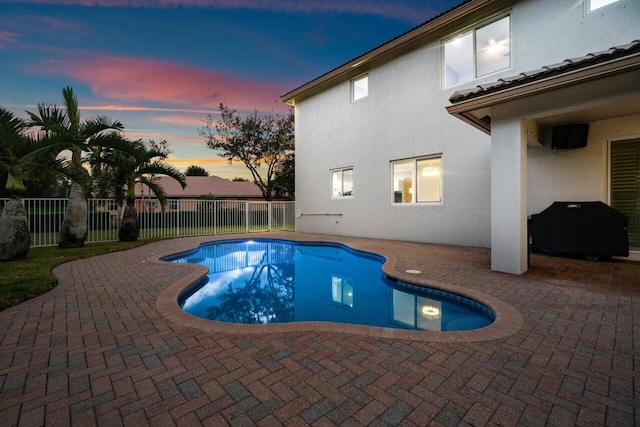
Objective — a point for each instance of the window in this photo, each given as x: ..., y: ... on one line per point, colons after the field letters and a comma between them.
x: 342, y: 291
x: 481, y: 51
x: 593, y: 5
x: 174, y: 205
x: 417, y: 312
x: 426, y: 173
x: 342, y: 183
x: 359, y: 88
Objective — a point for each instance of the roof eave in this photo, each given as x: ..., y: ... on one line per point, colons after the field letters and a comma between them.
x: 463, y: 109
x: 430, y: 26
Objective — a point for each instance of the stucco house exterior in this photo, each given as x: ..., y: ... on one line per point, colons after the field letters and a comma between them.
x: 443, y: 134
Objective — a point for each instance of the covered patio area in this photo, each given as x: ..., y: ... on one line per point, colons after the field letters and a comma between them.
x: 529, y: 171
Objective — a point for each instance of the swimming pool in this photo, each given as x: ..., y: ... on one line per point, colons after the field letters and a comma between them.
x: 276, y: 281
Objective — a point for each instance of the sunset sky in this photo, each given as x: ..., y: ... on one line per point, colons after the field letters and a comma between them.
x: 161, y: 66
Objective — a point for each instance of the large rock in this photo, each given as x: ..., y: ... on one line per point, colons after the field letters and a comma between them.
x: 73, y: 231
x: 14, y: 231
x: 129, y: 226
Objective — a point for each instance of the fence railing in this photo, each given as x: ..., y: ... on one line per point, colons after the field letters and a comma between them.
x: 180, y: 218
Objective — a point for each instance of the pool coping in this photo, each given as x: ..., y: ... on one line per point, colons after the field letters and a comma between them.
x: 508, y: 320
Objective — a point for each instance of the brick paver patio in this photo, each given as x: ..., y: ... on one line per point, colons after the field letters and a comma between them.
x: 108, y: 346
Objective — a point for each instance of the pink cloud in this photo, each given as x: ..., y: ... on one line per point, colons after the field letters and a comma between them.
x: 138, y: 80
x: 143, y: 108
x: 28, y: 25
x: 58, y: 25
x: 412, y: 12
x: 184, y: 140
x: 181, y: 120
x: 8, y: 37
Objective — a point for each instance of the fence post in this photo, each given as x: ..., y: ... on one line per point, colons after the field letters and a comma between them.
x: 215, y: 217
x: 246, y: 210
x: 270, y: 209
x: 178, y: 218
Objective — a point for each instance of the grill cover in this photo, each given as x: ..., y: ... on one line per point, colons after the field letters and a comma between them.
x: 587, y: 228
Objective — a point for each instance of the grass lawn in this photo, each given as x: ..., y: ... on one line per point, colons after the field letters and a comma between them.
x: 25, y: 279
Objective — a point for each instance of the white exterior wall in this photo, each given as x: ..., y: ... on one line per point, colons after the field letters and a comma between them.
x: 404, y: 116
x: 395, y: 121
x: 581, y: 174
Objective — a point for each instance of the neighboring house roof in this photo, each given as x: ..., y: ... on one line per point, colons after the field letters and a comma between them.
x: 568, y: 65
x: 436, y: 22
x: 203, y: 185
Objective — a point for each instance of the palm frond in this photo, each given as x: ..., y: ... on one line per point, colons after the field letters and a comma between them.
x: 156, y: 189
x: 50, y: 118
x: 98, y: 125
x: 71, y: 105
x: 159, y: 168
x: 12, y: 129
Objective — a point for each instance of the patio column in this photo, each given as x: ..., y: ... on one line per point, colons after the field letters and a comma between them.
x: 509, y: 243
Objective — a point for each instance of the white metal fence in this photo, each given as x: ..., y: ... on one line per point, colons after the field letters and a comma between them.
x: 180, y: 218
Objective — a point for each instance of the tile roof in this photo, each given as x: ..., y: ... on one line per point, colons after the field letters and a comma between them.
x: 565, y: 66
x: 204, y: 185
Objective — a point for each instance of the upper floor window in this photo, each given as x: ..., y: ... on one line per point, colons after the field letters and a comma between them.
x: 342, y: 183
x: 342, y: 291
x: 417, y: 180
x: 359, y: 88
x: 593, y: 5
x: 478, y: 52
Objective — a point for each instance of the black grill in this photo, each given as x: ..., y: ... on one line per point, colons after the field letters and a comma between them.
x: 582, y: 228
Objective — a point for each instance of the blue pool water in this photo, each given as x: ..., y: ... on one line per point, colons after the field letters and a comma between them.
x: 271, y: 281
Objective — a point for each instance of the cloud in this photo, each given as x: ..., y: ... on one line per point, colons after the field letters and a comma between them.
x: 8, y: 37
x: 139, y: 80
x: 15, y: 28
x: 405, y: 11
x: 58, y: 25
x: 143, y: 108
x: 194, y: 140
x: 181, y: 120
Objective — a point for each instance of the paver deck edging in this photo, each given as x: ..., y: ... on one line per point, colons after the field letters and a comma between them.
x: 508, y: 319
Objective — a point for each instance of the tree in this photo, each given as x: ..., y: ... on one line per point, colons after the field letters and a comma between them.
x: 123, y: 171
x: 78, y: 137
x: 239, y: 179
x: 285, y: 181
x: 255, y: 140
x: 21, y: 153
x: 266, y: 297
x: 194, y: 170
x: 40, y: 182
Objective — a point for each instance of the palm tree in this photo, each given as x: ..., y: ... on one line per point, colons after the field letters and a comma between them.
x: 123, y: 171
x: 21, y: 153
x: 78, y: 137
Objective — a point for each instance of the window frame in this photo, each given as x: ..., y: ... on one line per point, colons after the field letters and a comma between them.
x: 415, y: 183
x: 473, y: 30
x: 341, y: 170
x: 352, y: 86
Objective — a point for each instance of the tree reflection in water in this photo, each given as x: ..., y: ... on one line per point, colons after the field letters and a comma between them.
x: 266, y: 297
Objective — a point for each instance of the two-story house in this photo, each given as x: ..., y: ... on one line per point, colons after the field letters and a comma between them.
x: 444, y: 134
